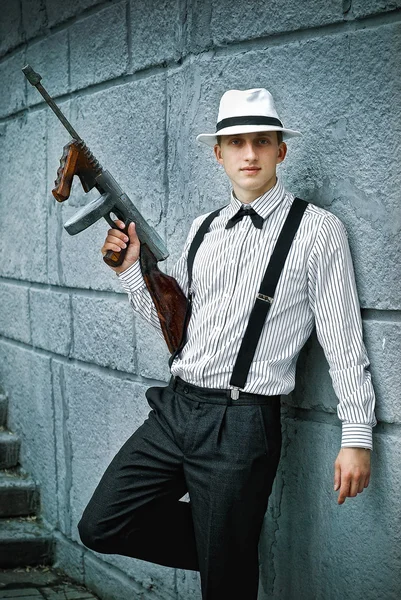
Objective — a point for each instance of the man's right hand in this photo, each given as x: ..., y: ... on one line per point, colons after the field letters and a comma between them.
x: 116, y: 240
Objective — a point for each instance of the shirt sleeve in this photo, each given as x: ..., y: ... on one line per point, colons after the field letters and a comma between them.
x: 334, y: 301
x: 134, y: 284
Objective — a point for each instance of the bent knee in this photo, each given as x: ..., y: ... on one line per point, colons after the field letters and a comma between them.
x: 91, y: 535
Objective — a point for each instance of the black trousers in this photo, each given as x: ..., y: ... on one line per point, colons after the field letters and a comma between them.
x: 224, y: 454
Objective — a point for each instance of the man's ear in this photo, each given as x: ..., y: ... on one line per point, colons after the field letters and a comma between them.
x: 217, y: 153
x: 281, y: 154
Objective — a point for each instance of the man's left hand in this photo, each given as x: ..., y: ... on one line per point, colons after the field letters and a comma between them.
x: 351, y: 472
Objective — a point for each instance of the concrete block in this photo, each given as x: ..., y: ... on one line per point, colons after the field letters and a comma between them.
x: 363, y: 8
x: 23, y: 206
x: 19, y: 495
x: 14, y: 314
x: 188, y: 585
x: 372, y: 202
x: 9, y: 449
x: 10, y: 27
x: 383, y: 342
x: 307, y: 515
x: 102, y: 39
x: 63, y: 450
x: 127, y: 117
x: 68, y: 557
x: 51, y: 320
x: 166, y: 21
x: 152, y: 352
x: 24, y: 543
x: 242, y: 21
x: 114, y: 584
x: 3, y: 409
x: 26, y: 376
x: 61, y: 11
x: 314, y: 389
x: 197, y: 34
x: 104, y: 332
x: 49, y: 57
x: 95, y: 414
x: 13, y: 84
x: 34, y: 18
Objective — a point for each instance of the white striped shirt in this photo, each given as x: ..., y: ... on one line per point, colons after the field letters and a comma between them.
x: 316, y: 287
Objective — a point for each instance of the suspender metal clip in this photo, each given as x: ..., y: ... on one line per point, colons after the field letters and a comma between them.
x: 260, y: 296
x: 234, y: 393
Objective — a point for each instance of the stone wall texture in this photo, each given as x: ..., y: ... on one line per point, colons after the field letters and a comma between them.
x: 139, y: 80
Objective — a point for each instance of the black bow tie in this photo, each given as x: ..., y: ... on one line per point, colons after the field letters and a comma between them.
x: 257, y: 220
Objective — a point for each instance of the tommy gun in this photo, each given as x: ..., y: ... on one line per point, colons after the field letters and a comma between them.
x: 170, y: 302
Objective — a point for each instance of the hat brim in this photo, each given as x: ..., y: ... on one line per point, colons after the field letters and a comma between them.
x: 211, y: 138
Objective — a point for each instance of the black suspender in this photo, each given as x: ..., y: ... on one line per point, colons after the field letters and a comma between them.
x: 264, y: 297
x: 196, y: 242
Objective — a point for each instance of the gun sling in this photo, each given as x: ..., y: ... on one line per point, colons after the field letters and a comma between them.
x: 264, y: 297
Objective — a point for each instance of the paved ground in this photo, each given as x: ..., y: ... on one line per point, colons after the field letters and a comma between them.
x: 38, y: 583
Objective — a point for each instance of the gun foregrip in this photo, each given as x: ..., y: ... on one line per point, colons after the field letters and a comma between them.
x: 77, y: 159
x: 66, y: 172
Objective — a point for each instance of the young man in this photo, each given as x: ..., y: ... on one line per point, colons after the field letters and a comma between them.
x: 206, y: 435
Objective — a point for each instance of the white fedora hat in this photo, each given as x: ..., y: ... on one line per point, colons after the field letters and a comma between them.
x: 246, y: 111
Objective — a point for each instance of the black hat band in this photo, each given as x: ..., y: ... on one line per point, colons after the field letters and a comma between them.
x: 250, y: 120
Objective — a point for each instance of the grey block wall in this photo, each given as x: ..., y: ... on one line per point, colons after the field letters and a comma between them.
x: 139, y: 80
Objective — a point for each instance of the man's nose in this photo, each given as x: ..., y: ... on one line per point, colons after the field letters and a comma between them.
x: 250, y: 151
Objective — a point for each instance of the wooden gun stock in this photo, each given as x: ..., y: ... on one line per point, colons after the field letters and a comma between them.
x: 76, y: 160
x: 170, y: 302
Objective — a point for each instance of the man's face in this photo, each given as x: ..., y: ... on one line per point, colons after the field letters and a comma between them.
x: 250, y: 160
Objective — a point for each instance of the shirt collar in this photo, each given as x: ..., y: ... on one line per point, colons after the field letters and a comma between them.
x: 264, y: 205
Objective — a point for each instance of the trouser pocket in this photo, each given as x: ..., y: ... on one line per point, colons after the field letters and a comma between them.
x: 270, y: 421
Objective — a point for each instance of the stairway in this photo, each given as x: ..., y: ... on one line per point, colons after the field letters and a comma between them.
x: 24, y: 540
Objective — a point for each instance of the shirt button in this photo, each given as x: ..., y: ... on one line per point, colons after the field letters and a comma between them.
x: 186, y: 389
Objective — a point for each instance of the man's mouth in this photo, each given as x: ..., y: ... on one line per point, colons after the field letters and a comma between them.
x: 251, y: 169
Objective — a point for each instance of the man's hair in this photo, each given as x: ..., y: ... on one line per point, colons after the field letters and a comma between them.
x: 279, y: 138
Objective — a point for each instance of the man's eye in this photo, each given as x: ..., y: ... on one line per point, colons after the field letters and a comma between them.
x: 264, y: 141
x: 235, y: 142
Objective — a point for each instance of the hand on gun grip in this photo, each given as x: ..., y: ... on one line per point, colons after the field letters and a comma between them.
x: 117, y: 240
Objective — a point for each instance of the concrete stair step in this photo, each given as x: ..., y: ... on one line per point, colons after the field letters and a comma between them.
x: 3, y: 409
x: 19, y: 494
x: 9, y: 449
x: 24, y: 542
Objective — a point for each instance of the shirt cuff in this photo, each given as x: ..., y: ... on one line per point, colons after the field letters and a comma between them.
x: 356, y: 435
x: 132, y: 279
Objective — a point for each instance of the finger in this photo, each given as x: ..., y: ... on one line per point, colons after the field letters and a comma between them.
x: 115, y: 247
x: 361, y: 485
x: 118, y: 241
x: 115, y: 234
x: 367, y: 481
x: 355, y: 481
x: 120, y: 223
x: 133, y: 236
x: 337, y: 476
x: 344, y: 491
